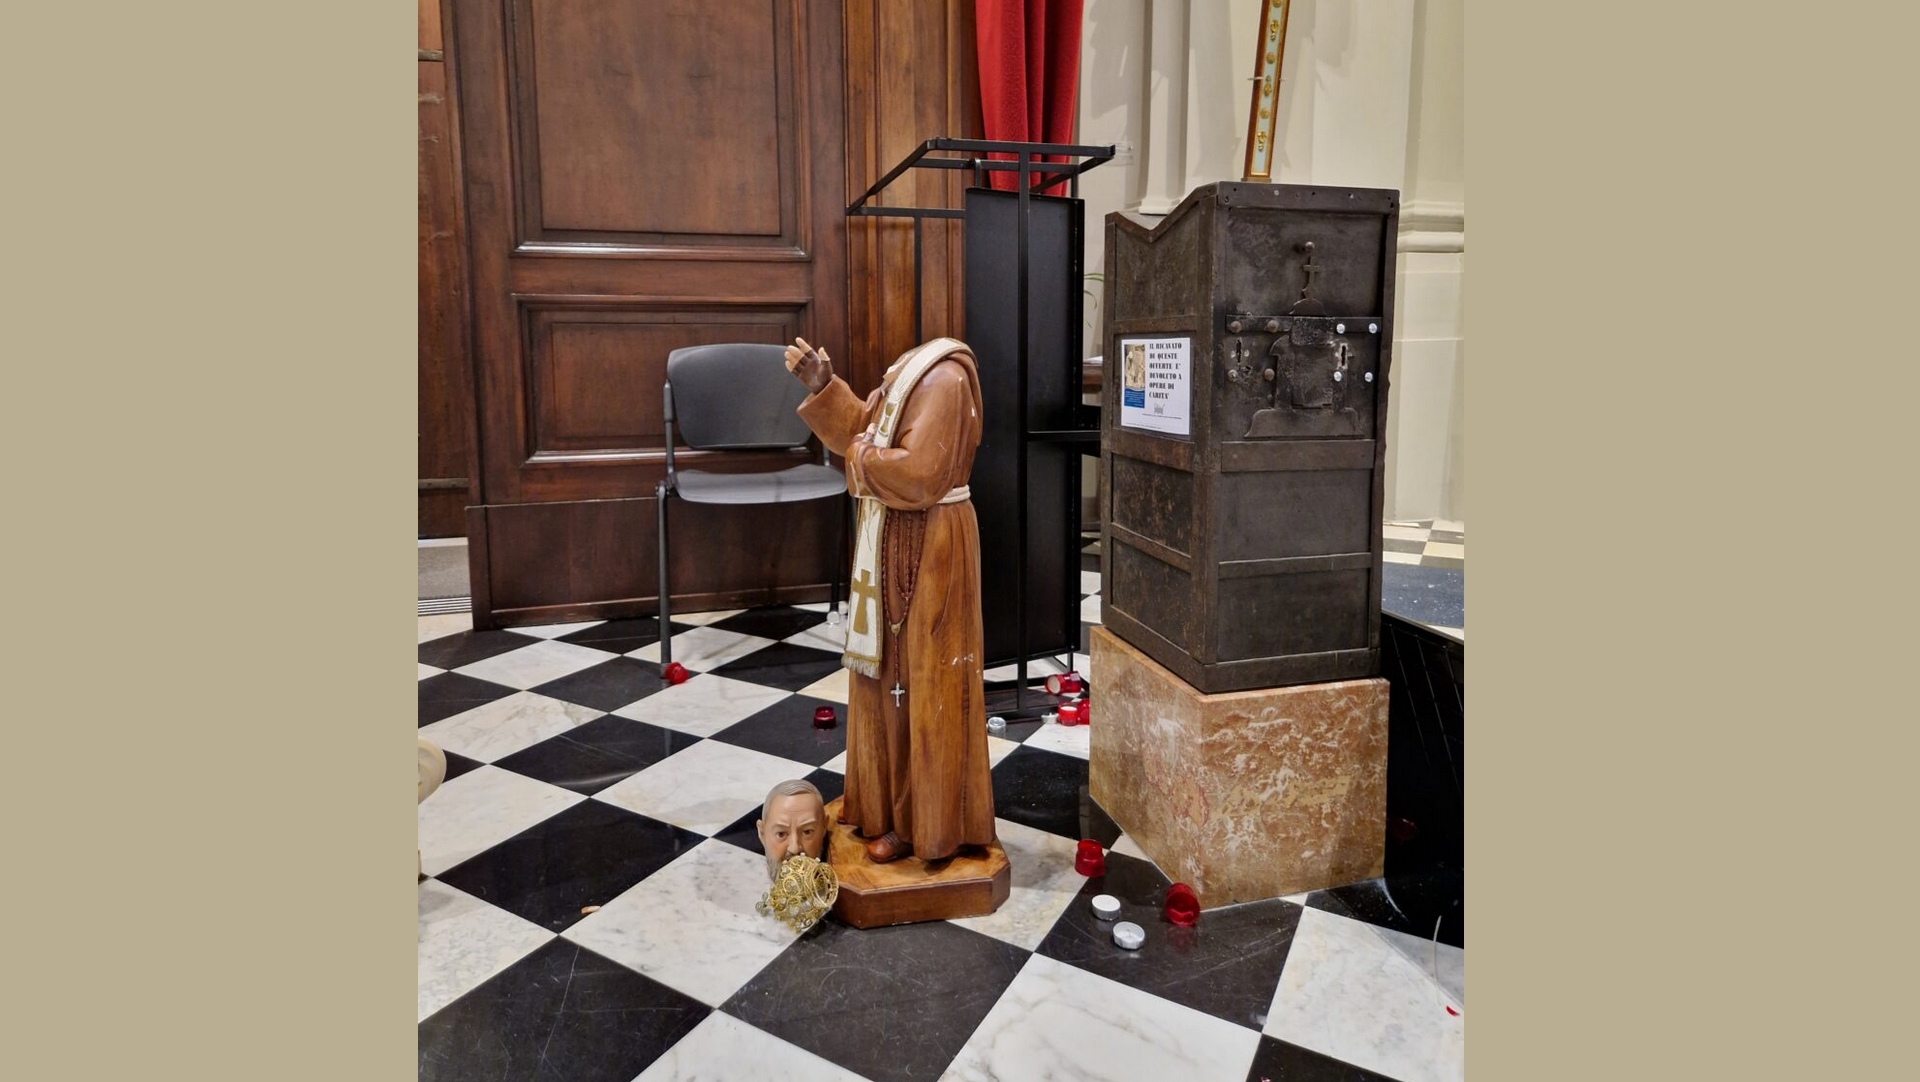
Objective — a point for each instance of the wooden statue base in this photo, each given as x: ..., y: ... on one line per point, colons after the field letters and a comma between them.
x: 971, y: 883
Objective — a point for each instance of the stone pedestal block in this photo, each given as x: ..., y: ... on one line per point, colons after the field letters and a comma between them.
x: 1246, y: 794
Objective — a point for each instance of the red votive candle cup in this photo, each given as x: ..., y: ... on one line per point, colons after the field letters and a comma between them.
x: 1182, y: 906
x: 1071, y: 713
x: 674, y: 673
x: 1066, y: 683
x: 1090, y: 859
x: 823, y: 718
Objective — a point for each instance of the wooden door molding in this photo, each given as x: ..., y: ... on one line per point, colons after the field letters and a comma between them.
x: 447, y: 448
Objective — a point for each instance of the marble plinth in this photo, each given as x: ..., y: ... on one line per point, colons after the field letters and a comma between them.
x: 972, y: 883
x: 1243, y: 795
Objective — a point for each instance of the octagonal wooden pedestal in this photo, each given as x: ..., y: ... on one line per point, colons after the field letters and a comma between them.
x: 971, y: 883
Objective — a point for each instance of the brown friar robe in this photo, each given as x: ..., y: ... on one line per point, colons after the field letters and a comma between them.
x: 920, y: 768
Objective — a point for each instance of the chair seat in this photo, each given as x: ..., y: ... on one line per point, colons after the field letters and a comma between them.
x: 810, y: 482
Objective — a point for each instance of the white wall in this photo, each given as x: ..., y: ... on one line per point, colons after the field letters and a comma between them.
x: 1371, y: 96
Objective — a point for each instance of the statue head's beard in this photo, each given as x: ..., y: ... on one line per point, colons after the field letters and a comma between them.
x: 803, y: 891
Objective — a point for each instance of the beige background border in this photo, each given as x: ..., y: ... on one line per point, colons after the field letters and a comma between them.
x: 1692, y: 367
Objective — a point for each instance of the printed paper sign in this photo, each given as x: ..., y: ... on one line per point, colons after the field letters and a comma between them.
x: 1153, y: 388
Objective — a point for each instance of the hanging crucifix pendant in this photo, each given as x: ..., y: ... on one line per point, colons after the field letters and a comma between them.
x: 897, y: 692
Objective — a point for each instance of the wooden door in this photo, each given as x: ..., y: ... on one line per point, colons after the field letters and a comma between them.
x: 446, y: 367
x: 639, y: 175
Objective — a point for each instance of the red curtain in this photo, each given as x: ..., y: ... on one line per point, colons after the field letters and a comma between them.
x: 1029, y: 72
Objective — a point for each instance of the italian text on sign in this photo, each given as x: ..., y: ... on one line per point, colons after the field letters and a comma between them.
x: 1153, y: 389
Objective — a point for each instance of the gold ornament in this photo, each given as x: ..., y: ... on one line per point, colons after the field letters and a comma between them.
x: 803, y: 892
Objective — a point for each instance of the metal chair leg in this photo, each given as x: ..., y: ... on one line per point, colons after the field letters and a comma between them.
x: 666, y: 625
x: 839, y: 555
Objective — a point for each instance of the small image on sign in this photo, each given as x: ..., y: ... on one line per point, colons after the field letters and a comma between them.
x: 1153, y: 383
x: 1135, y: 394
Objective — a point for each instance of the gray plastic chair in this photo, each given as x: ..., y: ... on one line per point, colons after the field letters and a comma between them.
x: 738, y: 397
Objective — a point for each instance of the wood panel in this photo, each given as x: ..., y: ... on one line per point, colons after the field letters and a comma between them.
x: 911, y: 76
x: 658, y: 124
x: 640, y: 176
x: 596, y: 373
x: 445, y: 362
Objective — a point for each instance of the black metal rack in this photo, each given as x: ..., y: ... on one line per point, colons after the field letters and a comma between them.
x: 1026, y: 163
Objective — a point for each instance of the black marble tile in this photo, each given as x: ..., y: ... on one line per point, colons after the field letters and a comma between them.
x: 467, y: 647
x: 774, y: 622
x: 1048, y: 791
x: 583, y: 856
x: 1090, y: 561
x: 1227, y: 965
x: 610, y: 685
x: 741, y: 832
x: 1431, y: 595
x: 1451, y: 537
x: 1394, y: 544
x: 458, y: 765
x: 782, y: 665
x: 561, y: 1014
x: 1445, y: 563
x: 1278, y: 1061
x: 451, y: 693
x: 590, y: 757
x: 1416, y: 904
x: 786, y: 729
x: 619, y: 636
x: 891, y: 1004
x: 1086, y: 637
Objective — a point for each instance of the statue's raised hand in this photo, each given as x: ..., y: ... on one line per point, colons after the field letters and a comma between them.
x: 809, y: 365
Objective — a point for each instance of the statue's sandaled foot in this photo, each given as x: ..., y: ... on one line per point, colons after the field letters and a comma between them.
x: 888, y: 848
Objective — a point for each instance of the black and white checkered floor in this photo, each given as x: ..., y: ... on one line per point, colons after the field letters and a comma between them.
x: 577, y: 779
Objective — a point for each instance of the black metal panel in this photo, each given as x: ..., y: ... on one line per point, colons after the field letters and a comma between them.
x: 1054, y: 306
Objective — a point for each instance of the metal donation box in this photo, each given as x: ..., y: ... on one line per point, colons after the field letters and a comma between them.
x: 1243, y: 433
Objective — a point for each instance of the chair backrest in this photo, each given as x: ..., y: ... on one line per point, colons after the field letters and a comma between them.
x: 736, y: 396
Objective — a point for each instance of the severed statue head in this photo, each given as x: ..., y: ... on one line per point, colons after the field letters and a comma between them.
x: 793, y: 832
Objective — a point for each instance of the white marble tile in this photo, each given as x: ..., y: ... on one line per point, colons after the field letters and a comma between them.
x: 1090, y: 609
x: 1457, y: 632
x: 702, y: 619
x: 480, y: 809
x: 1058, y: 1022
x: 1044, y: 884
x: 1037, y: 671
x: 1441, y: 962
x: 838, y: 764
x: 554, y: 631
x: 1296, y: 899
x: 1089, y: 582
x: 1065, y: 739
x: 531, y: 666
x: 463, y: 941
x: 427, y: 670
x: 1083, y: 664
x: 1401, y: 557
x: 1445, y: 548
x: 704, y: 705
x: 444, y: 624
x: 821, y: 637
x: 704, y: 649
x: 714, y: 942
x: 705, y: 787
x: 997, y: 749
x: 1347, y: 993
x: 832, y: 687
x: 1405, y: 533
x: 1448, y: 525
x: 724, y: 1049
x: 498, y: 729
x: 1126, y: 846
